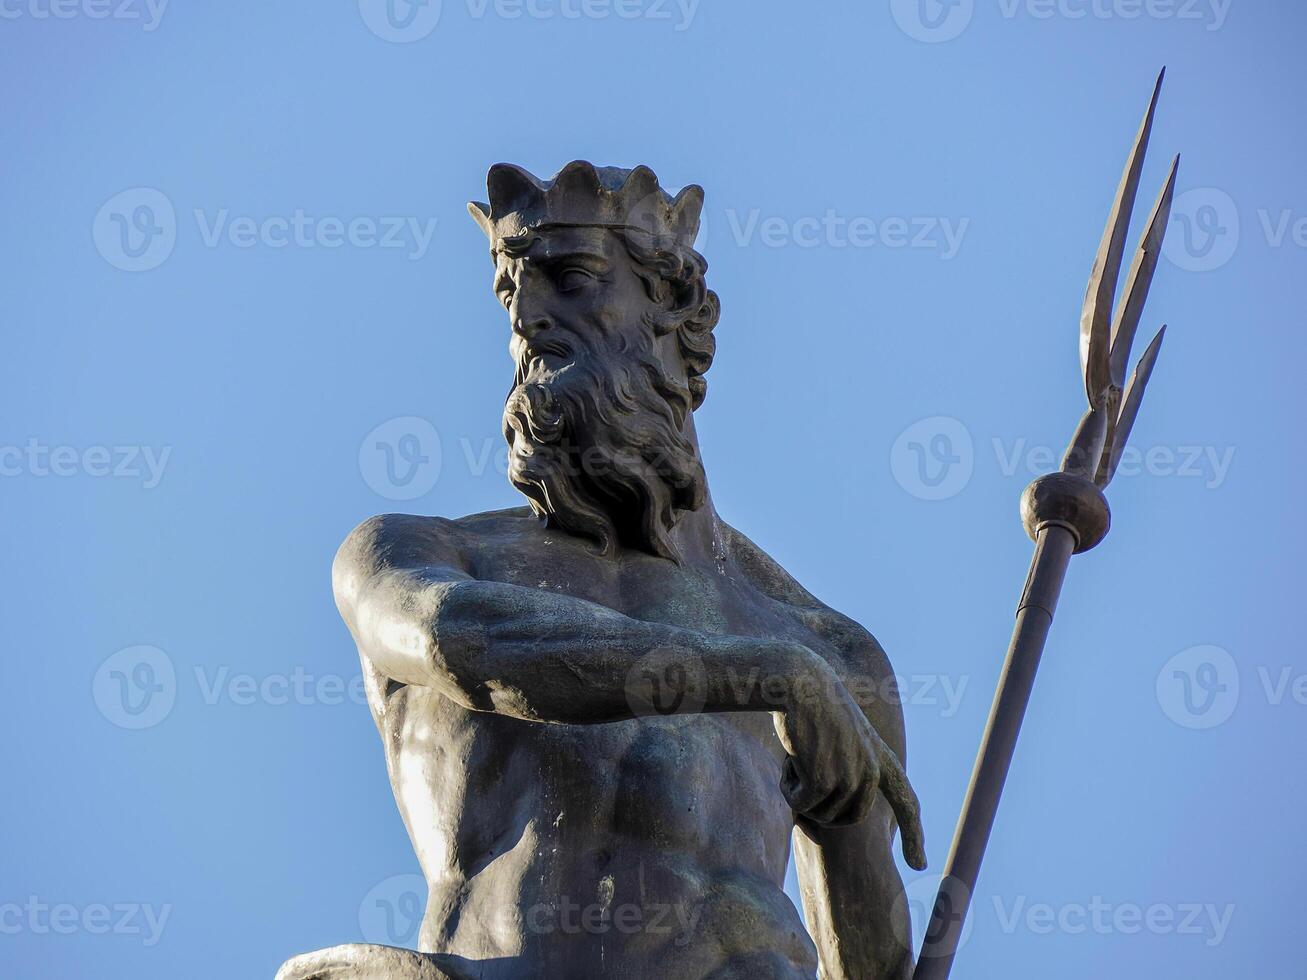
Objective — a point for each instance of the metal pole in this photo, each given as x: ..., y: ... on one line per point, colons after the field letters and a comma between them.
x: 1053, y: 550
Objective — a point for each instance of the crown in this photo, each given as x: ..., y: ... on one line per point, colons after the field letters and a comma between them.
x: 582, y: 194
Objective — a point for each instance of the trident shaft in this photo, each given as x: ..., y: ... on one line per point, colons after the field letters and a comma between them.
x: 1065, y: 513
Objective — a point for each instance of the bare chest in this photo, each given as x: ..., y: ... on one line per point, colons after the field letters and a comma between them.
x: 717, y: 600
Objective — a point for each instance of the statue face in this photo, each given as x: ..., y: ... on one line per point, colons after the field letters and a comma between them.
x: 596, y: 419
x: 569, y: 293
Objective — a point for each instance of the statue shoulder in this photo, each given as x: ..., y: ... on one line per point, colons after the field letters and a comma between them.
x: 849, y: 647
x: 395, y: 541
x: 859, y: 651
x: 412, y: 540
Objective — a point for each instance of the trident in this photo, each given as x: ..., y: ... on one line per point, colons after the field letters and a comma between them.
x: 1065, y: 513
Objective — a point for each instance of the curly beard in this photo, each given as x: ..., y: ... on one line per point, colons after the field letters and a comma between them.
x: 596, y: 446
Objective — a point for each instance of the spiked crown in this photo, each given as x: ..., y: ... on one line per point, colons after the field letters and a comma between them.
x: 582, y: 194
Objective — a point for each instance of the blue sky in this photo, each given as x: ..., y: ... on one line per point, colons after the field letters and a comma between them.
x: 237, y: 261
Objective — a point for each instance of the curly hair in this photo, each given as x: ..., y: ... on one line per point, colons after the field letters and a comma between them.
x: 673, y: 276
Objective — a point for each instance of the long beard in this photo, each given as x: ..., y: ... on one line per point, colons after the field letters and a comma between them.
x: 598, y: 451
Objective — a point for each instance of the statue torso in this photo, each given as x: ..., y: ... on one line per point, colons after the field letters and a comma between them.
x: 657, y: 845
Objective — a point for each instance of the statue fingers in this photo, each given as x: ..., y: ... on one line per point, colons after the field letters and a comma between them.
x: 907, y: 808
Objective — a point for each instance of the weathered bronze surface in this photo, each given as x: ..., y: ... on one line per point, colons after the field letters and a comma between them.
x: 606, y: 714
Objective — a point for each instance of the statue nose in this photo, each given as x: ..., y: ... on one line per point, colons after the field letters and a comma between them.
x: 530, y: 327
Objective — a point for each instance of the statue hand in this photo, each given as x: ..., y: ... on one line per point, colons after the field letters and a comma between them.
x: 837, y: 762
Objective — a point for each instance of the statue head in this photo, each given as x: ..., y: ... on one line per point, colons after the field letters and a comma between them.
x: 611, y: 336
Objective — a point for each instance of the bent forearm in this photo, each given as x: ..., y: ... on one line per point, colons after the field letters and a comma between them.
x: 540, y: 656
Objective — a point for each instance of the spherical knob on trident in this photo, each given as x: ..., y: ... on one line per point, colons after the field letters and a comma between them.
x: 1069, y: 501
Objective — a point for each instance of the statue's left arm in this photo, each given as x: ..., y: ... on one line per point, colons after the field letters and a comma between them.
x: 852, y: 894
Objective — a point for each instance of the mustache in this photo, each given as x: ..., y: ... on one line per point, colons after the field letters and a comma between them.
x: 539, y: 347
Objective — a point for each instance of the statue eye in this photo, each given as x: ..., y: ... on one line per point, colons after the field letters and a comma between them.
x: 573, y: 278
x: 506, y: 295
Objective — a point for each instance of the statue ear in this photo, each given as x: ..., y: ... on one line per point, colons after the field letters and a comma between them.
x: 481, y: 215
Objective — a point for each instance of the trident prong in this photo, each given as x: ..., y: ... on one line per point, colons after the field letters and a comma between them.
x: 1096, y: 318
x: 1105, y: 342
x: 1131, y: 308
x: 1134, y: 394
x: 1128, y: 315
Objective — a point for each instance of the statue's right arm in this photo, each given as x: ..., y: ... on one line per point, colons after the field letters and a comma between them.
x: 534, y: 654
x: 537, y: 655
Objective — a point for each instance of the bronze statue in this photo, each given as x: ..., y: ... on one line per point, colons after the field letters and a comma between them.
x: 605, y: 714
